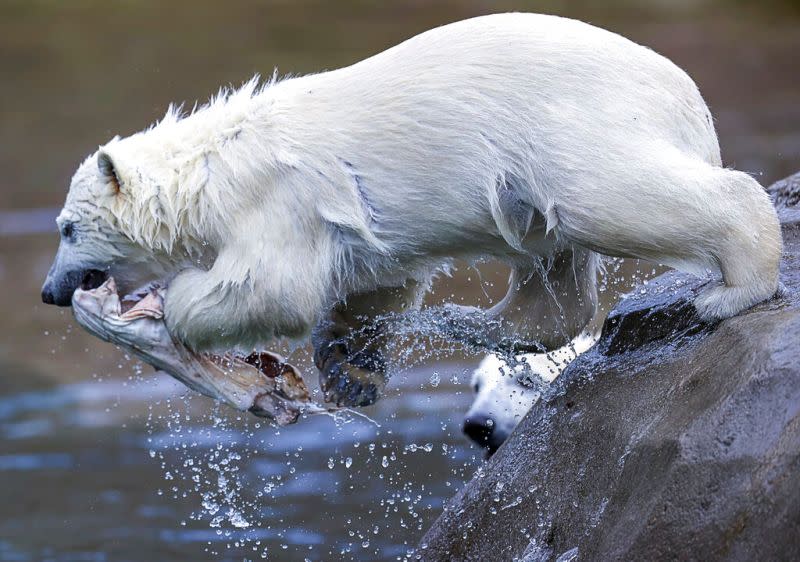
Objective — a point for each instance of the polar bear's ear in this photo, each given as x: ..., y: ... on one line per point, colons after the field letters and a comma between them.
x: 109, y: 171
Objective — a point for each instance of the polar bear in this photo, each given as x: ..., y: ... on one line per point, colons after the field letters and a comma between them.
x: 325, y: 202
x: 505, y: 392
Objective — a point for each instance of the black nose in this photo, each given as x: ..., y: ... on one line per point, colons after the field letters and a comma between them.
x: 56, y: 295
x: 479, y: 428
x: 48, y: 297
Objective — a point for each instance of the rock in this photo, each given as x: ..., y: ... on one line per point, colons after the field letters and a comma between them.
x: 670, y: 440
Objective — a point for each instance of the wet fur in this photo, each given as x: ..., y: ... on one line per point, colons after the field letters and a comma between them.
x: 516, y: 136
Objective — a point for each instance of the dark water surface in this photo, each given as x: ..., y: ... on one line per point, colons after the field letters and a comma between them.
x: 102, y: 460
x: 119, y: 469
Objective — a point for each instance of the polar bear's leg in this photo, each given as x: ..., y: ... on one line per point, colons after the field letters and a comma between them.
x: 691, y: 216
x: 551, y: 300
x: 749, y: 253
x: 348, y: 344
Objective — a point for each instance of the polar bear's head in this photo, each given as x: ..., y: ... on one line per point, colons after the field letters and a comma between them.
x: 142, y: 208
x: 502, y: 399
x: 117, y: 220
x: 255, y: 233
x: 505, y: 393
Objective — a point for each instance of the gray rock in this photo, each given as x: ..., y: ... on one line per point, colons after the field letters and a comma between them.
x: 670, y: 440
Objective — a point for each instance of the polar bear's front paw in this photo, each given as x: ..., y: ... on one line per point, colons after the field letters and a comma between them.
x: 350, y: 380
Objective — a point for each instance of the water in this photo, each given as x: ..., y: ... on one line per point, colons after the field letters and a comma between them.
x: 123, y: 470
x: 102, y: 460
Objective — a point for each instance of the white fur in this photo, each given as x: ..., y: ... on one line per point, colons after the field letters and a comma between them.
x: 509, y: 136
x: 504, y: 394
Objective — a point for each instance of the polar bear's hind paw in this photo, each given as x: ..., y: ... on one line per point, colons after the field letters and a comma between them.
x: 720, y: 301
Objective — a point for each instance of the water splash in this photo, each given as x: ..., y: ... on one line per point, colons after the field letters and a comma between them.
x: 218, y: 458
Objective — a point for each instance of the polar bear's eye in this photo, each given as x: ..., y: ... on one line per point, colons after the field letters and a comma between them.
x: 68, y: 231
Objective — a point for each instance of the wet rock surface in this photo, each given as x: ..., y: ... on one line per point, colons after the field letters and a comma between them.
x: 670, y: 440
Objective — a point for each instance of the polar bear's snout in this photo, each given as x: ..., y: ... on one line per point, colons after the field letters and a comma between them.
x: 61, y: 283
x: 484, y: 431
x: 58, y: 287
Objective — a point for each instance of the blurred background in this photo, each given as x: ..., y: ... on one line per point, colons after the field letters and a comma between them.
x: 100, y: 459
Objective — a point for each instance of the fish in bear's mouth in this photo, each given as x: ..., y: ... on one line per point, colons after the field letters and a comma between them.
x: 262, y: 383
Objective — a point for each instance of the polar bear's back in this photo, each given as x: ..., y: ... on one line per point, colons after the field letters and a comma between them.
x: 545, y: 103
x: 534, y: 72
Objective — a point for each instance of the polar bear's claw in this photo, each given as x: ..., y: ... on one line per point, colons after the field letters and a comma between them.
x: 350, y: 378
x: 347, y: 385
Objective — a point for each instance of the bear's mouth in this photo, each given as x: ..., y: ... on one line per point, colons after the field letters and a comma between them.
x: 92, y: 279
x: 59, y: 287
